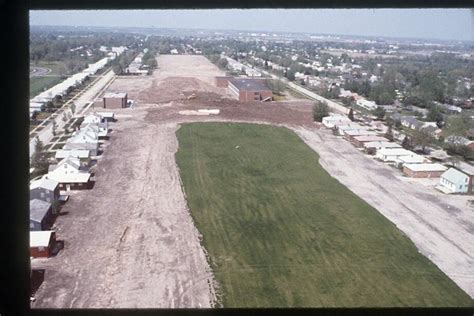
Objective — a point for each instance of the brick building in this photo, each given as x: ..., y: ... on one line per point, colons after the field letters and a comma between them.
x: 424, y: 170
x: 248, y: 90
x: 115, y: 100
x: 223, y: 81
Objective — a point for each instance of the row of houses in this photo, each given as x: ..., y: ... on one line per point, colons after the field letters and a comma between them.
x: 37, y: 104
x: 412, y: 164
x: 70, y: 171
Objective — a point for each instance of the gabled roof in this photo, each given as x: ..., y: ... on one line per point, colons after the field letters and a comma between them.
x: 44, y: 183
x: 455, y: 176
x: 77, y: 153
x: 38, y: 209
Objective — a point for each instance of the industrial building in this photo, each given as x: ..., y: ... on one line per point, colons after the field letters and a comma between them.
x: 248, y: 90
x: 423, y: 170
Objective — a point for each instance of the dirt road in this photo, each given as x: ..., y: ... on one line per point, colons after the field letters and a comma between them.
x: 130, y: 241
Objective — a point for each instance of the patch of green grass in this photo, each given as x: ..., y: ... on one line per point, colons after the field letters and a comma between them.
x: 39, y: 84
x: 281, y: 232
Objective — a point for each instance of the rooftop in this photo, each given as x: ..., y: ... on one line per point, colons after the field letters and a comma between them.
x: 40, y: 238
x: 370, y: 138
x: 455, y: 175
x: 395, y: 152
x: 250, y: 84
x: 38, y: 209
x: 44, y: 183
x: 425, y: 167
x: 115, y: 95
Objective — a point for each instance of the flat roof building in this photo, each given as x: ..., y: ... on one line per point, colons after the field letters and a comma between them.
x: 113, y: 100
x: 42, y: 243
x: 248, y: 90
x: 423, y: 170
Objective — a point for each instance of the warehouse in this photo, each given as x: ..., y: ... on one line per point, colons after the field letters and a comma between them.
x: 115, y: 100
x: 42, y: 243
x: 40, y: 215
x: 423, y: 170
x: 248, y: 90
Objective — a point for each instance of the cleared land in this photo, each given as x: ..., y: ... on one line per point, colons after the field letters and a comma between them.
x: 159, y: 261
x: 282, y: 232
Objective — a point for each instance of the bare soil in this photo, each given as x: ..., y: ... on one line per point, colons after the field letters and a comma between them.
x: 130, y: 242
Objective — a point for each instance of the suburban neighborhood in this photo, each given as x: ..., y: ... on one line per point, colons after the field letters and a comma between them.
x: 202, y: 168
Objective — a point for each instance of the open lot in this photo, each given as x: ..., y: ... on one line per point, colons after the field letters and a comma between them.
x: 131, y: 242
x: 282, y: 232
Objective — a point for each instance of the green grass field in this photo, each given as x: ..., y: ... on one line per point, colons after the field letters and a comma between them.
x: 39, y: 84
x: 281, y: 232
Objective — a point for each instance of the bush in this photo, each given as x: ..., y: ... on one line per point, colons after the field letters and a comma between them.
x: 320, y: 110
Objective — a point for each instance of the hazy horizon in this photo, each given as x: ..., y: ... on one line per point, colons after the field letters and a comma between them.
x: 442, y: 24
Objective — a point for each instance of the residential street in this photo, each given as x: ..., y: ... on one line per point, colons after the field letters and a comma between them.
x: 46, y: 134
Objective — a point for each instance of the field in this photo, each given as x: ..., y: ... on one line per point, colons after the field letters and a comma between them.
x: 281, y: 232
x: 47, y: 75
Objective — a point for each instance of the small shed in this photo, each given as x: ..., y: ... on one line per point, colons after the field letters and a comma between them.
x: 40, y: 215
x: 115, y: 100
x: 42, y: 243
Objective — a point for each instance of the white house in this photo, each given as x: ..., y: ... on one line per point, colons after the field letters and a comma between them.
x: 83, y: 155
x: 366, y: 104
x: 69, y: 174
x: 415, y: 159
x: 392, y: 154
x: 453, y: 181
x: 330, y: 121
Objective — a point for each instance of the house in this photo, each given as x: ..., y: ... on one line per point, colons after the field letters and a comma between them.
x: 330, y: 121
x: 401, y: 161
x: 423, y: 170
x: 83, y: 155
x: 372, y: 147
x: 247, y: 90
x: 366, y: 104
x: 100, y: 129
x: 341, y: 129
x: 392, y: 154
x: 70, y: 175
x: 360, y: 140
x: 410, y: 122
x: 351, y: 133
x: 42, y: 243
x: 115, y: 100
x: 92, y: 118
x: 454, y: 181
x: 40, y: 215
x: 44, y: 189
x: 85, y: 139
x: 457, y: 140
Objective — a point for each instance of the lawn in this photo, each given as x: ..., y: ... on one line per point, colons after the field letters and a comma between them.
x: 281, y: 232
x: 39, y: 84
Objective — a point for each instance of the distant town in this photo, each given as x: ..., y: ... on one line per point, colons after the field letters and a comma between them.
x: 211, y: 168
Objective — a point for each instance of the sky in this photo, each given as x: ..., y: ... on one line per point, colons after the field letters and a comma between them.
x: 453, y: 24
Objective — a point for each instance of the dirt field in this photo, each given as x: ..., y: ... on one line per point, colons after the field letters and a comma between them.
x: 130, y: 241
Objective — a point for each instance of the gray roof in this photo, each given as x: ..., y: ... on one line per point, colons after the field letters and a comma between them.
x: 38, y: 209
x: 250, y: 84
x: 454, y: 176
x: 45, y: 183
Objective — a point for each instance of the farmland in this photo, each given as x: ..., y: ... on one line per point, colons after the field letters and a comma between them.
x: 282, y: 232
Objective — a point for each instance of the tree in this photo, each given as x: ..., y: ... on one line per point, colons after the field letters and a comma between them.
x: 389, y: 134
x: 457, y: 125
x: 222, y: 63
x: 39, y: 159
x: 64, y: 117
x: 320, y: 110
x: 54, y: 127
x: 351, y: 115
x: 406, y: 143
x: 435, y: 115
x: 276, y: 85
x: 73, y: 108
x: 422, y: 137
x: 379, y: 112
